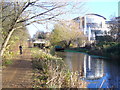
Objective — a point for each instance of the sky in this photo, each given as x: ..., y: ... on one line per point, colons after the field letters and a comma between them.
x: 108, y: 9
x: 105, y: 9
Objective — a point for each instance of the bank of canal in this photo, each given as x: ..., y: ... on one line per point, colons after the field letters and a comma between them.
x: 99, y: 72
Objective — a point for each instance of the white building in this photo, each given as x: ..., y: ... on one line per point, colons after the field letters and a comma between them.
x: 93, y: 25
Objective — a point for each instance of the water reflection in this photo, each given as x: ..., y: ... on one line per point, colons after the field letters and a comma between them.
x: 94, y: 69
x: 90, y: 67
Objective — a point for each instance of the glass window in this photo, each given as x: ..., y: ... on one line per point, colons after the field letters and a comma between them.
x: 94, y: 25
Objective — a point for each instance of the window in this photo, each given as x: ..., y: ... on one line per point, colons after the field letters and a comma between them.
x: 94, y: 25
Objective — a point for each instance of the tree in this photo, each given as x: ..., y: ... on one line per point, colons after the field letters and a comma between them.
x: 19, y: 37
x: 20, y: 12
x: 114, y: 26
x: 39, y: 35
x: 66, y: 33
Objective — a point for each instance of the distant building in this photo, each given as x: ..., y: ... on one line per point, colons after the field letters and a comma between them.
x: 40, y: 43
x: 41, y: 39
x: 118, y: 21
x: 92, y: 25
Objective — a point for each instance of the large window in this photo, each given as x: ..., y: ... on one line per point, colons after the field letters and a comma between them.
x: 94, y: 25
x: 96, y: 32
x: 94, y: 22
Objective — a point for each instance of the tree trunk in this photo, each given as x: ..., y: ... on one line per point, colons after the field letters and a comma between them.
x: 68, y: 45
x: 6, y: 41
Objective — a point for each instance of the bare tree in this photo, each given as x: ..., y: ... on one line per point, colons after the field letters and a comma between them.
x: 27, y: 13
x: 114, y: 27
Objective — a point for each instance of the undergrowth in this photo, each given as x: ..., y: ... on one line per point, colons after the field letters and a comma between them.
x: 51, y: 72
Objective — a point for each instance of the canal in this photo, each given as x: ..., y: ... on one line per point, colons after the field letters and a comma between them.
x: 99, y: 72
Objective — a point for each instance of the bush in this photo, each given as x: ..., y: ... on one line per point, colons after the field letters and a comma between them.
x: 106, y: 38
x: 114, y: 49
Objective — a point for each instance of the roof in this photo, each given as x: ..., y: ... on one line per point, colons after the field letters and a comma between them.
x: 117, y: 17
x: 77, y: 18
x: 96, y: 15
x: 39, y: 41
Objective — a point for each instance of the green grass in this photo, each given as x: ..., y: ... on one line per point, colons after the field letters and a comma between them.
x: 7, y: 62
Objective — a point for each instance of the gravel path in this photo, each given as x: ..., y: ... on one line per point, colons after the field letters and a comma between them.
x: 19, y: 74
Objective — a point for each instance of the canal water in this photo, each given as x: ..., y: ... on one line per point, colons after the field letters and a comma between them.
x: 99, y: 72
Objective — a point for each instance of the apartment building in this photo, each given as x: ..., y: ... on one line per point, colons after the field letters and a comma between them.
x: 92, y: 25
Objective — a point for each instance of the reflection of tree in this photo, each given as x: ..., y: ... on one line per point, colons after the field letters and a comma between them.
x: 74, y: 61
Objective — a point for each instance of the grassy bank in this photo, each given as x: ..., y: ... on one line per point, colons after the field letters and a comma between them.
x: 106, y: 49
x: 51, y: 72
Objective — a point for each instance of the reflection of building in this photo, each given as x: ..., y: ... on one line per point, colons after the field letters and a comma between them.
x: 89, y: 67
x: 92, y: 69
x: 92, y: 25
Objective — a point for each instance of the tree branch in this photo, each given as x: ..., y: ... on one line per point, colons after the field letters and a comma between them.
x: 39, y: 14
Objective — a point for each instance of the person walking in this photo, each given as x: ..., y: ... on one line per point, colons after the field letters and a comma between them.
x: 20, y: 48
